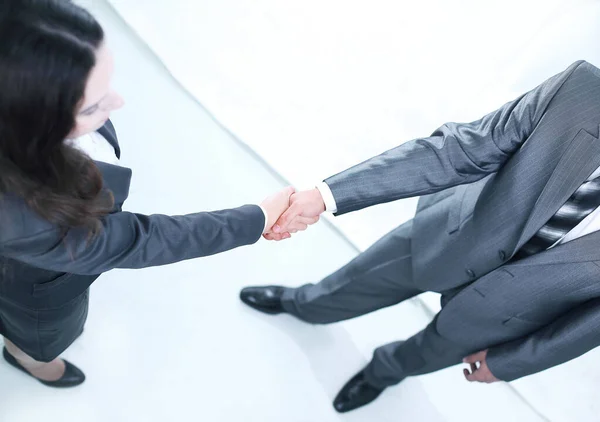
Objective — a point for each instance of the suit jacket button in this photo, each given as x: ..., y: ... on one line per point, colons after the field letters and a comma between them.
x: 502, y: 255
x: 470, y: 273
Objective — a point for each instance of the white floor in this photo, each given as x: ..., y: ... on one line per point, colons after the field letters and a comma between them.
x: 317, y: 86
x: 175, y: 344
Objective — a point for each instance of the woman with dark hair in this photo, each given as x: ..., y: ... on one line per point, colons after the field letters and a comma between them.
x: 62, y: 188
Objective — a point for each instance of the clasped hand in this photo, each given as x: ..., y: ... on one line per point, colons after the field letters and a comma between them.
x: 289, y: 212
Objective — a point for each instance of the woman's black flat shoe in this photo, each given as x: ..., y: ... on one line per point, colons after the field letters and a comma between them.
x: 71, y: 378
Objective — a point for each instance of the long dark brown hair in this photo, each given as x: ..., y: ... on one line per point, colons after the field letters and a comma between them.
x: 47, y: 51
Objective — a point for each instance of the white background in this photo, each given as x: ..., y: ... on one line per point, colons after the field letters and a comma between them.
x: 311, y: 87
x: 316, y: 86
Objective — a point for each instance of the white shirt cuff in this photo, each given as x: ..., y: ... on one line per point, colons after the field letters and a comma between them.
x: 266, y: 218
x: 328, y: 199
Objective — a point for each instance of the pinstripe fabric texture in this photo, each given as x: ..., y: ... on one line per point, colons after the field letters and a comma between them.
x: 487, y: 187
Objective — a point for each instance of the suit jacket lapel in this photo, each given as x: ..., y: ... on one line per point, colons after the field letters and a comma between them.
x: 580, y: 160
x: 582, y: 249
x: 117, y: 179
x: 109, y: 133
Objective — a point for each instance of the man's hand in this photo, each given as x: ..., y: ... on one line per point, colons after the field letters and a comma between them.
x: 479, y: 373
x: 275, y: 205
x: 305, y: 209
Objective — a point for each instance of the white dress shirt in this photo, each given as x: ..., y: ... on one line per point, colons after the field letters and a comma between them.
x: 328, y: 199
x: 95, y: 146
x: 588, y: 225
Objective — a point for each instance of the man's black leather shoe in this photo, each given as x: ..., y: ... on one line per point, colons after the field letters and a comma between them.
x: 356, y: 393
x: 266, y: 299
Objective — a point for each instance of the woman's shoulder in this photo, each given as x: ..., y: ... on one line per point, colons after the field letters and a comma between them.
x: 18, y: 221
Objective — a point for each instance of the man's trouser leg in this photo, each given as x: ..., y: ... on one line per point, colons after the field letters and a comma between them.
x: 379, y: 277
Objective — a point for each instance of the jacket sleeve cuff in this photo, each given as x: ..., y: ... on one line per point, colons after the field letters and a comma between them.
x: 266, y: 218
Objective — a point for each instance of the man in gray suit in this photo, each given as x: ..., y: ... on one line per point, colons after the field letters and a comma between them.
x: 505, y: 229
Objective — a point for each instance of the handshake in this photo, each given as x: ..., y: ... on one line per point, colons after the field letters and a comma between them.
x: 289, y: 212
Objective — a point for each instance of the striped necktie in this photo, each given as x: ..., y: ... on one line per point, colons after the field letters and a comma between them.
x: 585, y: 200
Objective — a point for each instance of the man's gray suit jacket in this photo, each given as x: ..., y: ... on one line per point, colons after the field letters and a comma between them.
x: 486, y: 188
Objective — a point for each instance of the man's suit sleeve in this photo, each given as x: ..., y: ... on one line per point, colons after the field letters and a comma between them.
x: 568, y: 337
x: 456, y: 153
x: 130, y: 240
